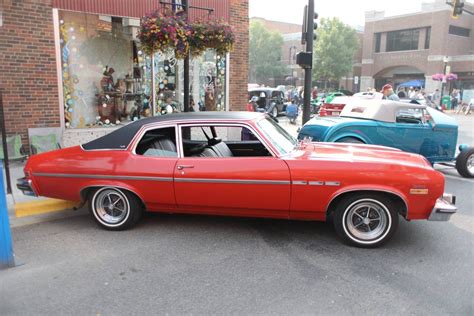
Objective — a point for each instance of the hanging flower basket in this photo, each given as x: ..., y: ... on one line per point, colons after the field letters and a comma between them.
x: 451, y: 76
x: 161, y: 33
x: 215, y: 34
x: 448, y: 77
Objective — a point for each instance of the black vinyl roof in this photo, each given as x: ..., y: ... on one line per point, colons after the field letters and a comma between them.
x: 121, y: 138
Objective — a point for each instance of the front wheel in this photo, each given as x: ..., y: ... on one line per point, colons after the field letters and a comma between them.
x: 465, y: 163
x: 275, y: 111
x: 365, y: 220
x: 114, y: 208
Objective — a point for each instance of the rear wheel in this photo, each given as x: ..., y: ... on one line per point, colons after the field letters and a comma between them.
x: 114, y: 208
x: 365, y: 220
x: 465, y: 163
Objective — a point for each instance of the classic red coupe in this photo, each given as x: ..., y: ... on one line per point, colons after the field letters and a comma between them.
x: 240, y: 164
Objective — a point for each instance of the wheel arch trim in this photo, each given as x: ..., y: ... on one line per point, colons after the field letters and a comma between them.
x: 369, y: 189
x: 352, y: 135
x: 121, y: 186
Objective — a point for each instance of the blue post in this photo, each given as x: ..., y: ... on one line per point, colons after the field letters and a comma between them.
x: 6, y: 247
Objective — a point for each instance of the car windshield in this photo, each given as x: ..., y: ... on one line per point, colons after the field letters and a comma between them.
x: 278, y: 136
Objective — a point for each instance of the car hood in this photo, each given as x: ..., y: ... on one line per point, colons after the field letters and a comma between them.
x: 357, y: 153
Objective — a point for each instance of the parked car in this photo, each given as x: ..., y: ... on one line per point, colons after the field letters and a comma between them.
x: 336, y: 105
x: 270, y: 100
x: 240, y: 164
x: 410, y: 127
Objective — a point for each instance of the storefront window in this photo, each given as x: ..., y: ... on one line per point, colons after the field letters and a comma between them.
x: 108, y: 80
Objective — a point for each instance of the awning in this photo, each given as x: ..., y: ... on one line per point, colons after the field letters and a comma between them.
x: 413, y: 83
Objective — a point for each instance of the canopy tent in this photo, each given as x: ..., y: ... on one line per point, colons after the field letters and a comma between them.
x: 413, y: 83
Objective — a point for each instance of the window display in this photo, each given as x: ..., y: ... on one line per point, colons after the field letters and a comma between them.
x: 109, y: 80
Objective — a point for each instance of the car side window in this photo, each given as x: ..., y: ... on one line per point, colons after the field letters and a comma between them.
x: 410, y: 116
x: 159, y: 142
x: 221, y: 141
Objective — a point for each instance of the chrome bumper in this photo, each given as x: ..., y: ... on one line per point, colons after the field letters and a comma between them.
x: 24, y: 185
x: 444, y: 208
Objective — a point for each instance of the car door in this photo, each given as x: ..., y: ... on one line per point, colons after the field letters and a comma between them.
x: 152, y: 163
x: 408, y: 133
x: 232, y: 185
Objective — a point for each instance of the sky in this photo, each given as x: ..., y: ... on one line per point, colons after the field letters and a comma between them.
x: 349, y: 11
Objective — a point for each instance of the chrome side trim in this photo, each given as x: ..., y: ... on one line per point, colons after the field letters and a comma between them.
x: 96, y: 176
x: 316, y: 182
x: 226, y: 181
x: 333, y: 183
x: 300, y: 182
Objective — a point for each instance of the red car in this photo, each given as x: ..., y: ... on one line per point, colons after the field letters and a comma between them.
x: 334, y: 107
x: 240, y: 164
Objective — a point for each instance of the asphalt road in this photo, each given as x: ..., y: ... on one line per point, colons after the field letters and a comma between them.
x: 179, y: 264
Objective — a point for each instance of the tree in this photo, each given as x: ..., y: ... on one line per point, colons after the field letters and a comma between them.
x: 265, y: 49
x: 334, y: 50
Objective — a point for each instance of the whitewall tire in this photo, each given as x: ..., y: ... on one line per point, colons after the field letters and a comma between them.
x: 365, y: 220
x: 114, y: 208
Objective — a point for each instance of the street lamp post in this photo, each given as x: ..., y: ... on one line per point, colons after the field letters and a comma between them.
x: 443, y: 84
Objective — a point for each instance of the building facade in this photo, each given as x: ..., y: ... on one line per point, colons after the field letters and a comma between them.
x: 291, y: 33
x: 416, y: 46
x: 78, y: 66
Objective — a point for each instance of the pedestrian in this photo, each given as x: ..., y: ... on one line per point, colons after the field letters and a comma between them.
x: 436, y: 96
x: 388, y: 93
x: 314, y: 93
x: 292, y: 111
x: 411, y: 93
x: 454, y: 99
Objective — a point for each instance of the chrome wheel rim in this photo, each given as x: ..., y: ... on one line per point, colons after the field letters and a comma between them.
x: 470, y: 164
x: 111, y: 207
x: 367, y: 220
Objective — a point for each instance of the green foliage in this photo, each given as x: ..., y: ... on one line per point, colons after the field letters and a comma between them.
x: 265, y: 49
x: 334, y: 50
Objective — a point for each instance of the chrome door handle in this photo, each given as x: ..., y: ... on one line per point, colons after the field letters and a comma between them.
x: 181, y: 167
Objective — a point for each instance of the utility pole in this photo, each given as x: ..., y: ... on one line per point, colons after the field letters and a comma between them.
x: 305, y: 59
x: 186, y: 65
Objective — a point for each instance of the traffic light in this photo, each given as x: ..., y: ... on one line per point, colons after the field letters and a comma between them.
x: 457, y: 8
x: 305, y: 31
x: 304, y: 28
x: 315, y: 26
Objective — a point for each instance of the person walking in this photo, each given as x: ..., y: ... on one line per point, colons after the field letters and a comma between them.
x: 388, y: 93
x: 455, y: 99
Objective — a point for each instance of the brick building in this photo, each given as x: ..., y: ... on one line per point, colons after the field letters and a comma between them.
x: 416, y: 46
x: 56, y: 56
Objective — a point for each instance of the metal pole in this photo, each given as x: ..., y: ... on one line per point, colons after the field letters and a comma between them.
x: 308, y: 71
x: 6, y: 246
x: 4, y: 146
x: 186, y: 66
x: 443, y: 84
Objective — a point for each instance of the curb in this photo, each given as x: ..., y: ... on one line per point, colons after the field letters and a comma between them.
x: 24, y: 209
